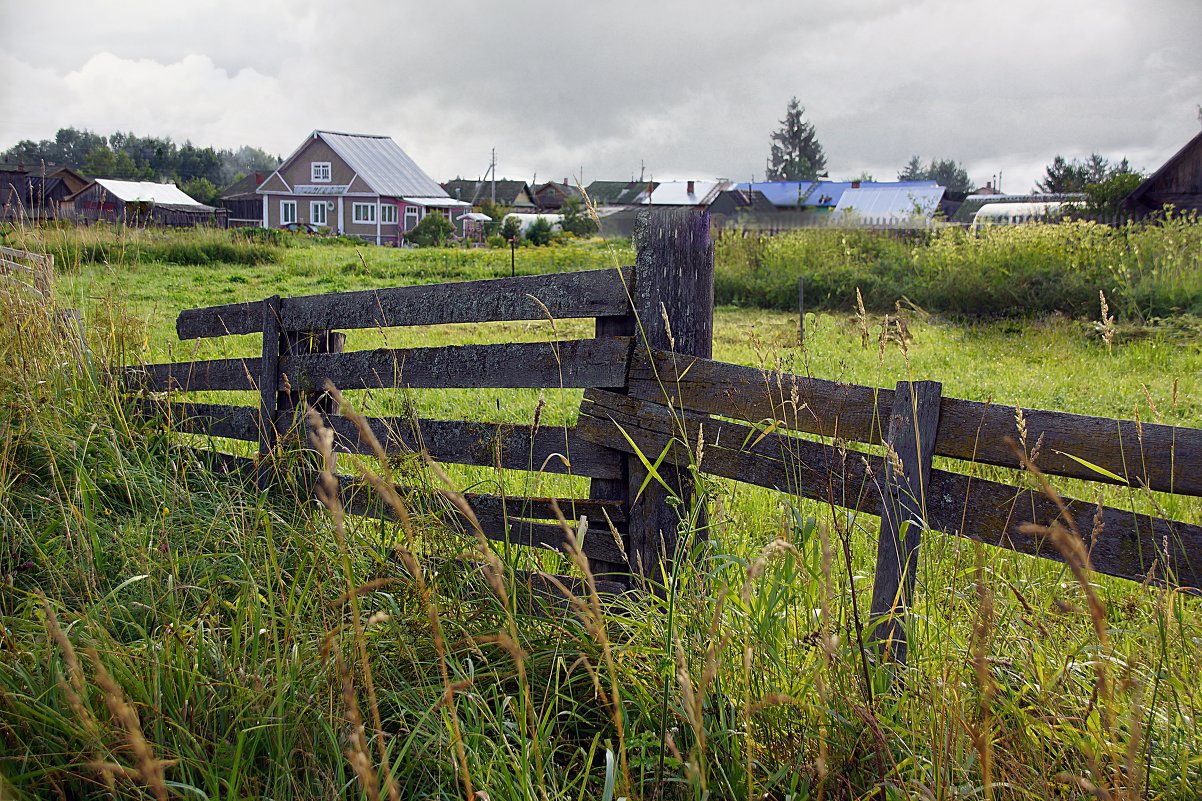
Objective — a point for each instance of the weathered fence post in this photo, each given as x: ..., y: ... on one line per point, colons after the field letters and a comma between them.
x: 269, y: 384
x: 913, y: 423
x: 278, y: 406
x: 674, y: 306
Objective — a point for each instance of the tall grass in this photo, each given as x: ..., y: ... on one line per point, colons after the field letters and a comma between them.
x: 1146, y: 269
x: 170, y: 631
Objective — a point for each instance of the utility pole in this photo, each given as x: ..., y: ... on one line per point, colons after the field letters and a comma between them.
x: 492, y: 167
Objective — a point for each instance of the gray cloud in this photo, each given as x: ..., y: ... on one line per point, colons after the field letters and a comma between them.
x: 689, y: 88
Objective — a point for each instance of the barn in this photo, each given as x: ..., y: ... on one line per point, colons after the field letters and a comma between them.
x: 1177, y: 183
x: 142, y: 203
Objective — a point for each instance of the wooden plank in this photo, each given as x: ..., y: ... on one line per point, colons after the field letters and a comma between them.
x: 218, y: 321
x: 590, y: 293
x: 912, y: 426
x: 587, y: 293
x: 209, y: 419
x: 568, y: 363
x: 269, y: 375
x: 7, y: 265
x: 359, y: 498
x: 1127, y: 546
x: 674, y: 304
x: 1165, y: 458
x: 218, y: 374
x: 19, y: 255
x: 617, y: 484
x: 551, y: 449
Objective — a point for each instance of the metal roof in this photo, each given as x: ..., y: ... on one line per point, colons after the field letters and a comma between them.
x: 676, y: 193
x: 443, y: 202
x: 382, y: 164
x: 890, y: 202
x: 148, y: 192
x: 820, y: 194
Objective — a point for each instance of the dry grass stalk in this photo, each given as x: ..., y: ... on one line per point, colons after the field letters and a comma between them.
x: 149, y: 769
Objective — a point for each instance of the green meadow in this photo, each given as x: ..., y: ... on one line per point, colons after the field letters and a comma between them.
x: 168, y: 632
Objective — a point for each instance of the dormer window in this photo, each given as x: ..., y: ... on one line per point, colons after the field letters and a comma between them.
x: 320, y: 172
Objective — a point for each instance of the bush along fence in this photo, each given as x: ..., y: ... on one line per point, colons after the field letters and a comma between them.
x: 657, y: 410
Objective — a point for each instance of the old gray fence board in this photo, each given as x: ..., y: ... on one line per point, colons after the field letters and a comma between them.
x: 587, y: 293
x: 912, y: 426
x: 1165, y: 458
x: 566, y: 363
x: 1126, y: 545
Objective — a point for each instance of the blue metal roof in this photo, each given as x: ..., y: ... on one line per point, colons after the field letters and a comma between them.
x: 820, y: 194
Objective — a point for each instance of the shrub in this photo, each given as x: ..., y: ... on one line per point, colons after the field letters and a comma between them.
x: 539, y: 232
x: 511, y: 228
x: 434, y: 230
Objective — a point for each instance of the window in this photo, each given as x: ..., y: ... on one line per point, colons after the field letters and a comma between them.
x: 320, y: 172
x: 317, y: 212
x: 363, y: 212
x: 387, y: 214
x: 287, y: 212
x: 412, y: 215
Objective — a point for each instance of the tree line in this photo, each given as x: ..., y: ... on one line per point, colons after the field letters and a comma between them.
x: 201, y: 172
x: 796, y: 154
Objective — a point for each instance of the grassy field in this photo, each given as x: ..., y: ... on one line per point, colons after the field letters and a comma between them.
x: 167, y: 633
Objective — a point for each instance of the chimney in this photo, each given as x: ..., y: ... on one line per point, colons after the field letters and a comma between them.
x: 692, y: 186
x: 855, y: 184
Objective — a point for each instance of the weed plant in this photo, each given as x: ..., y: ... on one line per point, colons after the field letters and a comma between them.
x: 1148, y: 270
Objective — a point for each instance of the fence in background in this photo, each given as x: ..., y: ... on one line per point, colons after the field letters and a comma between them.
x: 656, y: 408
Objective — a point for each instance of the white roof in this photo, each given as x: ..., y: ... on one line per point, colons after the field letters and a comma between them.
x: 676, y: 193
x: 443, y: 202
x: 148, y: 192
x: 901, y: 202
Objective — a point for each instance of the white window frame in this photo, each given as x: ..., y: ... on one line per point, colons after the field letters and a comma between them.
x: 414, y: 213
x: 363, y: 213
x: 388, y: 214
x: 319, y: 172
x: 318, y: 212
x: 287, y: 212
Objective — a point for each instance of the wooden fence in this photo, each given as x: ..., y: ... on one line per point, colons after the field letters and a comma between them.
x: 652, y: 390
x: 32, y: 271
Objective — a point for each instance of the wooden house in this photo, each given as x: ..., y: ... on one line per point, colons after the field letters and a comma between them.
x: 37, y: 195
x: 511, y: 194
x: 1178, y: 183
x: 355, y: 184
x: 244, y: 204
x: 552, y: 195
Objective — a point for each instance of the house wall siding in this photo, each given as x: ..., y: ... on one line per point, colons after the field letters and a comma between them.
x: 299, y: 170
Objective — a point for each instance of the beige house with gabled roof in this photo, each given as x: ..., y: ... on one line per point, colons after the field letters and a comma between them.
x: 357, y: 185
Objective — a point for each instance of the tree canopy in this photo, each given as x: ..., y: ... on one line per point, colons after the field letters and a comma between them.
x: 1077, y: 175
x: 795, y: 154
x: 150, y: 158
x: 945, y: 172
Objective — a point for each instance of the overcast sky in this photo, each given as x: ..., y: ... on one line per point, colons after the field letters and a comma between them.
x: 691, y: 88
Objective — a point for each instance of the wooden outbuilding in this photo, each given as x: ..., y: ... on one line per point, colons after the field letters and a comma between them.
x: 1178, y: 183
x: 143, y: 203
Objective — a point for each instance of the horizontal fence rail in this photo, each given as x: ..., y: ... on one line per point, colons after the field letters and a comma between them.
x: 588, y: 293
x: 968, y: 430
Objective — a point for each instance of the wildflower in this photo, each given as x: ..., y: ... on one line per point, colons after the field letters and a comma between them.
x: 166, y: 510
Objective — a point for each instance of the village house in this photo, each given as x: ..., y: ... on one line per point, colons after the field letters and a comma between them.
x: 36, y: 195
x: 355, y: 184
x: 243, y: 202
x: 504, y: 192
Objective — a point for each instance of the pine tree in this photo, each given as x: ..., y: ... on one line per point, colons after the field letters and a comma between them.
x: 796, y: 154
